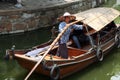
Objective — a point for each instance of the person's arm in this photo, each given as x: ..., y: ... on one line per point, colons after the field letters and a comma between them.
x: 77, y: 27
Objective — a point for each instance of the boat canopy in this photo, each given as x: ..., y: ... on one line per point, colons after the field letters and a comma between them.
x: 97, y: 18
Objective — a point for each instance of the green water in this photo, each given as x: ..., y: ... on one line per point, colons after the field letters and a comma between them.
x: 10, y: 70
x: 108, y: 69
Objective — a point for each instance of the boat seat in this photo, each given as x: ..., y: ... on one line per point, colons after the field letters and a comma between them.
x: 75, y: 52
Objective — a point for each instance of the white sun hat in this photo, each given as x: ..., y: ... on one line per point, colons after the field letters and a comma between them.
x: 66, y: 14
x: 62, y: 18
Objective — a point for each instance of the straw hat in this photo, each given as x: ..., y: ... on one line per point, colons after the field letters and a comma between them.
x: 66, y: 14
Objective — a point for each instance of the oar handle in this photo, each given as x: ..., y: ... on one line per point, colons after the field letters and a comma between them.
x: 51, y: 46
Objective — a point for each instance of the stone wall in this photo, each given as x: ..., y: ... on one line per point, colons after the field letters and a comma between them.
x: 20, y: 20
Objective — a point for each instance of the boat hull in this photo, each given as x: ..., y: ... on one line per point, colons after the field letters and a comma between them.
x: 66, y: 67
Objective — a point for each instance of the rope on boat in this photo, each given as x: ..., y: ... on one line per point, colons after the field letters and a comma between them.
x: 99, y: 52
x: 91, y: 40
x: 54, y: 69
x: 117, y: 40
x: 45, y: 66
x: 55, y: 72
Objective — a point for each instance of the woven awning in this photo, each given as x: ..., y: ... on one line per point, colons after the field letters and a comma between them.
x: 97, y: 18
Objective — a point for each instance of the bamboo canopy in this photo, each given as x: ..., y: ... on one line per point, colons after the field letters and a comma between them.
x: 97, y: 18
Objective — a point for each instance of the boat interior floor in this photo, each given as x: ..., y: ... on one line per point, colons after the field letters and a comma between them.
x: 72, y: 52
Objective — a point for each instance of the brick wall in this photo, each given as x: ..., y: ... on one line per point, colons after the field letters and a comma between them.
x: 20, y: 20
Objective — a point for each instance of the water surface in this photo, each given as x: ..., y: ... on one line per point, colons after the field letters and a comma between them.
x: 108, y: 69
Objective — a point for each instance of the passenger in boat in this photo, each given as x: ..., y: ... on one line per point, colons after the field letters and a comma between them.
x: 80, y: 35
x: 62, y: 49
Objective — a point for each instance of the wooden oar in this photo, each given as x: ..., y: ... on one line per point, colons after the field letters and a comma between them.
x: 51, y: 46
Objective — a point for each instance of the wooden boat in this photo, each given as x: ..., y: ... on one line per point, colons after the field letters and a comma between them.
x: 103, y: 36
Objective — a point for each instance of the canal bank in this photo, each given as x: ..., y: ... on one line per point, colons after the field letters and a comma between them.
x: 40, y: 13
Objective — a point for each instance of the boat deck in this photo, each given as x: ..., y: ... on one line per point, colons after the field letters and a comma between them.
x: 35, y: 59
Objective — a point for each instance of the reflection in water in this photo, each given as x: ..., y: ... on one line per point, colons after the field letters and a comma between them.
x: 116, y: 77
x: 116, y: 72
x: 10, y: 79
